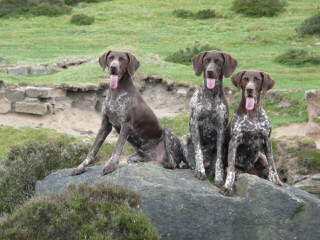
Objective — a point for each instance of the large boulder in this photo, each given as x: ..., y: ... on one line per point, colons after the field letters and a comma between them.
x: 182, y: 207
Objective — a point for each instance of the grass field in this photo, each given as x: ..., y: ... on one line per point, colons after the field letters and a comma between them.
x: 149, y: 30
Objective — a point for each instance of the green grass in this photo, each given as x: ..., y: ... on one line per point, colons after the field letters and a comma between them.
x: 148, y: 27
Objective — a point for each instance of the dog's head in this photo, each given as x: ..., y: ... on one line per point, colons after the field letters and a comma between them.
x: 117, y: 64
x: 214, y: 65
x: 252, y: 84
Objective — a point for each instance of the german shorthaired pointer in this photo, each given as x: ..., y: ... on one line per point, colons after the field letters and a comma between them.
x: 204, y: 147
x: 126, y: 111
x: 250, y: 148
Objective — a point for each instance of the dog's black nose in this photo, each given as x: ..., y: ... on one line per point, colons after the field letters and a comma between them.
x: 210, y: 74
x: 250, y: 92
x: 113, y: 70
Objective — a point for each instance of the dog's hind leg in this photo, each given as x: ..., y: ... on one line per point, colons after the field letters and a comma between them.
x: 112, y: 164
x: 188, y: 151
x: 104, y: 131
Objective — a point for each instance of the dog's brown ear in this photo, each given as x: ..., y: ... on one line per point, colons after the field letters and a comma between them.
x: 229, y: 66
x: 133, y: 64
x: 103, y: 60
x: 236, y: 78
x: 267, y: 82
x: 197, y: 62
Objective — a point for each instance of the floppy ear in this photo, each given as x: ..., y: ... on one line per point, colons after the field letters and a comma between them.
x: 133, y: 64
x: 229, y: 65
x: 267, y: 82
x: 197, y: 62
x: 103, y: 60
x: 236, y: 78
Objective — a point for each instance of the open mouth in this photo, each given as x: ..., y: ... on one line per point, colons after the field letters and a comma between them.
x: 211, y: 82
x: 114, y: 79
x: 250, y: 103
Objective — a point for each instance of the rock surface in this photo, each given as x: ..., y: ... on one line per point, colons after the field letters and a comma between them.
x: 182, y: 207
x: 311, y: 184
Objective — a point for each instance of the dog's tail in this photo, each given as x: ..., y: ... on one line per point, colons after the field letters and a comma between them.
x: 174, y: 150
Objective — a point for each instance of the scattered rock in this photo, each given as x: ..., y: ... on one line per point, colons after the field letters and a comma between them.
x: 18, y: 70
x: 284, y: 103
x: 5, y: 105
x: 15, y: 95
x: 43, y: 92
x: 311, y: 184
x: 32, y: 108
x: 182, y: 207
x: 313, y: 98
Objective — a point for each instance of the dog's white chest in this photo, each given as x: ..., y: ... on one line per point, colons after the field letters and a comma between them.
x: 116, y: 108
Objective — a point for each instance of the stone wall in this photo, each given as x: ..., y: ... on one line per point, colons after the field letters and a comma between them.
x: 42, y: 100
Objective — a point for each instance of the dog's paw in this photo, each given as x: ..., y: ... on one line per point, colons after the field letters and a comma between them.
x: 200, y: 174
x: 134, y: 158
x: 109, y: 168
x: 78, y: 171
x: 274, y: 177
x: 226, y: 191
x: 218, y: 179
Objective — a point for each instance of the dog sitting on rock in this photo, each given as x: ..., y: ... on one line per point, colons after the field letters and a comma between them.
x: 250, y: 147
x: 125, y: 110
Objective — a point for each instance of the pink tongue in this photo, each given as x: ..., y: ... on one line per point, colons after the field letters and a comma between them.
x: 249, y: 103
x: 211, y: 82
x: 114, y: 81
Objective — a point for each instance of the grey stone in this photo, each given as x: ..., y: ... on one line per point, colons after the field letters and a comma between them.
x: 15, y: 95
x: 32, y: 108
x: 39, y: 70
x: 311, y: 184
x: 182, y: 207
x: 19, y: 70
x: 5, y: 105
x: 44, y: 92
x: 3, y: 70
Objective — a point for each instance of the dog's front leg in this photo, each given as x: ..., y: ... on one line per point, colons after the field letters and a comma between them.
x: 113, y: 162
x: 103, y: 132
x: 195, y: 137
x: 227, y: 189
x: 273, y: 175
x: 219, y: 166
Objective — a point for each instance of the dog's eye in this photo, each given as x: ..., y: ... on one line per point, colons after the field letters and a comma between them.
x: 207, y: 60
x: 256, y: 79
x: 216, y: 61
x: 245, y: 79
x: 121, y: 59
x: 111, y: 58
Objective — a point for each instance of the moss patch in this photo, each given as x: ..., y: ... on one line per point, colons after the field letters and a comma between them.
x: 310, y: 158
x: 101, y: 212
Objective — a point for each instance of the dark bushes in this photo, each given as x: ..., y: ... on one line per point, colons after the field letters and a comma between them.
x: 82, y: 19
x: 259, y: 8
x: 297, y: 57
x: 28, y: 163
x: 310, y: 26
x: 184, y: 56
x: 74, y: 2
x: 101, y: 212
x: 201, y: 14
x: 10, y: 8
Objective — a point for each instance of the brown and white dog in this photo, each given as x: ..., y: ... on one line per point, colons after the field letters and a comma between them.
x: 250, y: 148
x: 125, y: 110
x: 205, y: 146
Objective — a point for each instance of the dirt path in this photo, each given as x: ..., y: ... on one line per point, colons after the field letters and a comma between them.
x: 299, y: 129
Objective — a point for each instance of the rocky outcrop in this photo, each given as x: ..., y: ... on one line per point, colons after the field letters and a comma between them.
x: 182, y: 207
x: 46, y: 68
x: 310, y: 184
